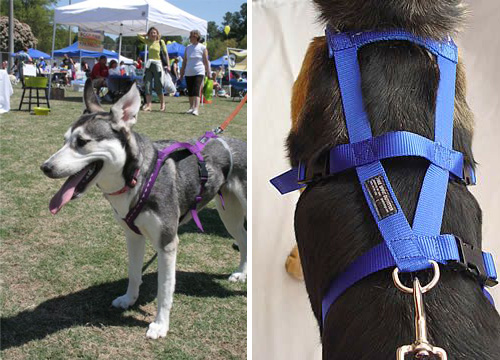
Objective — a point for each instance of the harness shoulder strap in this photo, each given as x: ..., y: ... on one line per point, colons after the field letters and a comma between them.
x: 377, y: 189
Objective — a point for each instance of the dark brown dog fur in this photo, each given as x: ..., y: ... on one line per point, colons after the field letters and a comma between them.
x: 333, y: 223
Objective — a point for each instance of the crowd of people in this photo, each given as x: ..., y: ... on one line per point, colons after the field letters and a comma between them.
x: 157, y: 71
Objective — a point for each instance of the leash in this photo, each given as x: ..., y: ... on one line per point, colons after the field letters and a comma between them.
x: 196, y: 150
x: 230, y: 118
x: 409, y: 248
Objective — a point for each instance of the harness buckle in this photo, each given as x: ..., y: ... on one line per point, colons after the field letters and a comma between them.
x: 202, y: 167
x: 314, y: 170
x: 472, y: 261
x: 469, y: 177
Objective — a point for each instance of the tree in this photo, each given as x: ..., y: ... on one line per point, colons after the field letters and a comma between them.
x: 243, y: 43
x: 23, y: 36
x: 217, y: 47
x: 238, y: 23
x: 38, y: 14
x: 214, y: 32
x: 109, y: 43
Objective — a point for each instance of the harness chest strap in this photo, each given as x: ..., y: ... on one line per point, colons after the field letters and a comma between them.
x: 393, y: 144
x: 406, y: 247
x: 196, y: 150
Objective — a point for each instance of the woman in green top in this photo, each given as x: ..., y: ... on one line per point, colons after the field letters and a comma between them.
x: 154, y: 67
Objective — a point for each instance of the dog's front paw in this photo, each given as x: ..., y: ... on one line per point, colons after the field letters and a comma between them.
x: 238, y: 276
x: 156, y: 330
x: 123, y: 302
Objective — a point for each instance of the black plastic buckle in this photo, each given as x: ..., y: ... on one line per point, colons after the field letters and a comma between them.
x: 314, y: 170
x: 469, y: 177
x: 202, y: 167
x: 471, y: 260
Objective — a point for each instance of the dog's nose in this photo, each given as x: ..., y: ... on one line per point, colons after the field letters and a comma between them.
x: 46, y: 168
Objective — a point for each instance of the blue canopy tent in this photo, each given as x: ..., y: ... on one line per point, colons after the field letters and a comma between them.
x: 174, y: 50
x: 73, y: 51
x: 222, y: 61
x: 35, y: 54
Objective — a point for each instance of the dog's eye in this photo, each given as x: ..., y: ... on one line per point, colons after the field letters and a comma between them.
x: 81, y: 142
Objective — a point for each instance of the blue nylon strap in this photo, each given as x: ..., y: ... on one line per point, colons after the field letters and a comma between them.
x: 393, y: 144
x: 341, y: 41
x: 442, y: 248
x: 489, y: 265
x: 430, y: 208
x: 287, y: 182
x: 408, y: 255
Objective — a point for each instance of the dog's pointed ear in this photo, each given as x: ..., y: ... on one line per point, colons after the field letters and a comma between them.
x: 125, y: 110
x: 90, y: 98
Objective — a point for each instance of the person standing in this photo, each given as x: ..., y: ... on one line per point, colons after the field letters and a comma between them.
x: 195, y: 66
x: 175, y: 70
x: 22, y: 58
x: 154, y: 67
x: 69, y: 64
x: 42, y: 64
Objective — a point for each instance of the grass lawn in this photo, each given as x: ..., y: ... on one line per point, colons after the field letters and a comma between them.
x: 60, y: 273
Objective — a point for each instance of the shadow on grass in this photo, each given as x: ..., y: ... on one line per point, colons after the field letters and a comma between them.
x: 91, y: 307
x: 212, y: 224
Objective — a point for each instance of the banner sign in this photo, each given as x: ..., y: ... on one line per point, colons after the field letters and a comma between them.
x: 237, y: 59
x: 91, y: 40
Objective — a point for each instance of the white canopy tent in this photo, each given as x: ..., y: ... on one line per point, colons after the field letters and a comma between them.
x: 128, y: 18
x: 126, y: 60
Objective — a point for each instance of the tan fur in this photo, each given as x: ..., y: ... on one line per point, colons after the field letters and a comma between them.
x: 463, y: 115
x: 299, y: 96
x: 301, y: 85
x: 293, y: 265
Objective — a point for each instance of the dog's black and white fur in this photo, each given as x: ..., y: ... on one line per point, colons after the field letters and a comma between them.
x: 333, y: 223
x: 103, y: 145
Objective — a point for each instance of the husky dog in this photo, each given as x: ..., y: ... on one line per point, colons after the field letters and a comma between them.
x: 101, y: 148
x: 333, y: 224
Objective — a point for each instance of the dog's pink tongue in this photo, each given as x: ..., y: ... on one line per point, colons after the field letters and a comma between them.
x: 65, y: 193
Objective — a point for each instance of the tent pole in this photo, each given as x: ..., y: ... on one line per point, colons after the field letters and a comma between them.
x: 120, y: 45
x: 11, y: 36
x: 52, y: 55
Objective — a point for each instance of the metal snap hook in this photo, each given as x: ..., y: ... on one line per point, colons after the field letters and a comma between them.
x: 424, y: 289
x: 421, y: 348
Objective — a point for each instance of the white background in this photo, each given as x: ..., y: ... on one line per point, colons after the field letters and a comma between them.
x: 282, y: 322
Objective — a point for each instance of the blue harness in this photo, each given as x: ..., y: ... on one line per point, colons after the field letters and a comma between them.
x: 408, y: 248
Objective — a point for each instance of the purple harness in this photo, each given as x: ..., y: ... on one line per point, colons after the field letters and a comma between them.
x: 196, y: 150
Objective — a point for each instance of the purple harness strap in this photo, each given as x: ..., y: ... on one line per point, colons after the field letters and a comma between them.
x: 196, y: 150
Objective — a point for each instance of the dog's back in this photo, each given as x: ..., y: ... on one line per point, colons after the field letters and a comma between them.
x: 333, y: 222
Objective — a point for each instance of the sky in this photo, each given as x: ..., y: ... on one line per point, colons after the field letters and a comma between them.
x: 210, y: 10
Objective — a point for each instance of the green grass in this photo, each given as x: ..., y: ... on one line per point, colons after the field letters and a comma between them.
x: 60, y: 273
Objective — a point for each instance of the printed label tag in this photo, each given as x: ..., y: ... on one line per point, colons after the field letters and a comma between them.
x: 381, y: 197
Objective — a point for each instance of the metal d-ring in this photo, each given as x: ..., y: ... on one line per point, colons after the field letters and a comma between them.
x: 430, y: 285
